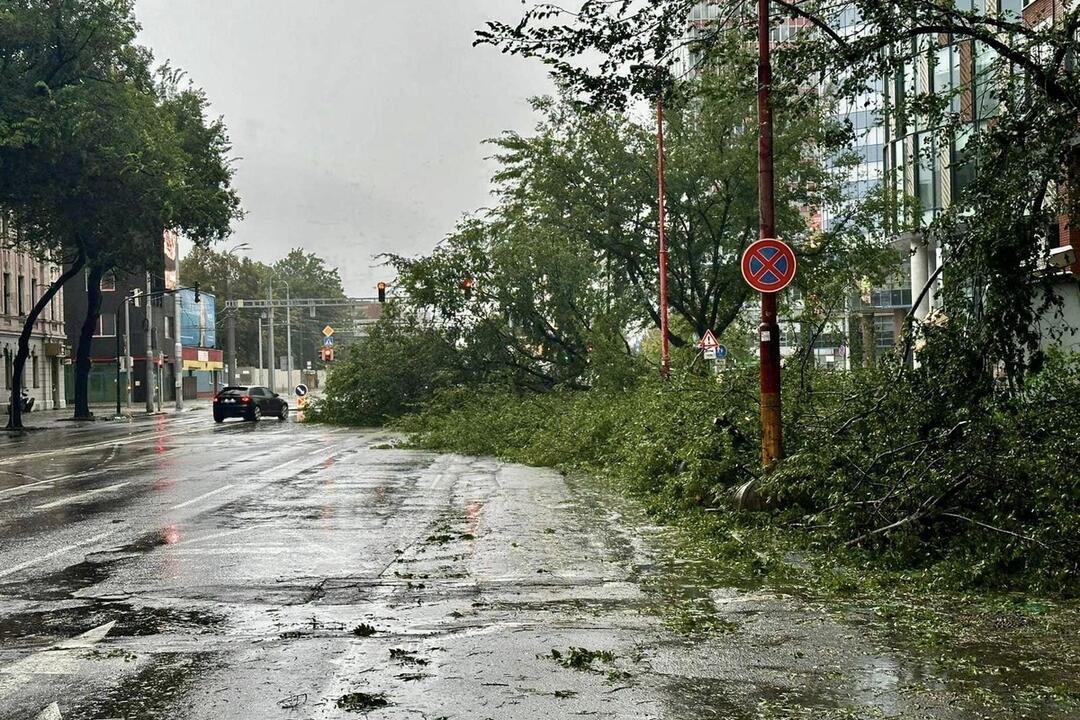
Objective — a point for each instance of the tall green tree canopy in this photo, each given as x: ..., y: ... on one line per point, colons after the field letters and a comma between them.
x: 565, y: 264
x: 98, y: 155
x: 1020, y: 71
x: 229, y: 276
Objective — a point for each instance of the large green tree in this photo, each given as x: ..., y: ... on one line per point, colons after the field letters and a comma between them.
x: 1019, y: 69
x: 231, y: 277
x: 98, y: 156
x: 566, y: 262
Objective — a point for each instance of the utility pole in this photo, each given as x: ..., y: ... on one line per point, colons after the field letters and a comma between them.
x: 129, y: 374
x: 288, y: 337
x: 261, y: 316
x: 270, y: 334
x: 118, y: 362
x: 665, y: 349
x: 231, y: 320
x: 231, y: 333
x: 149, y: 330
x: 772, y: 446
x: 178, y: 343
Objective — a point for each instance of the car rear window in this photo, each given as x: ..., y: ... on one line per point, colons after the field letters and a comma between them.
x: 234, y: 391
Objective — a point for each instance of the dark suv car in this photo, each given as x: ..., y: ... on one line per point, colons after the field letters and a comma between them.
x: 249, y: 402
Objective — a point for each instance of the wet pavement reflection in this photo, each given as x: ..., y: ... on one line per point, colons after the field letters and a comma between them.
x: 279, y: 570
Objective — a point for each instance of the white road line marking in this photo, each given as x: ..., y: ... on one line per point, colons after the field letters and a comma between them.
x: 137, y: 437
x: 215, y: 536
x: 40, y: 482
x: 81, y: 496
x: 48, y: 556
x: 202, y: 497
x: 273, y: 470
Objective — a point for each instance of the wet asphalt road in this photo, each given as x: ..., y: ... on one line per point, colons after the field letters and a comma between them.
x: 174, y: 569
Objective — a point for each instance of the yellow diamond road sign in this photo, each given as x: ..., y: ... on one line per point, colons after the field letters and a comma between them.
x: 328, y: 331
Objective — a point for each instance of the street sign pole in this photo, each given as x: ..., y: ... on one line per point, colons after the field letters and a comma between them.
x: 772, y: 446
x: 665, y: 349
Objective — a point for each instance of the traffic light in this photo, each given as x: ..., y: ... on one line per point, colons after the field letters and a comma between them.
x: 467, y: 286
x: 198, y: 299
x: 382, y: 292
x: 328, y: 354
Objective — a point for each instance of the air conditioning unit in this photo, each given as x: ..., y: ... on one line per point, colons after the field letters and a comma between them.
x: 1062, y: 257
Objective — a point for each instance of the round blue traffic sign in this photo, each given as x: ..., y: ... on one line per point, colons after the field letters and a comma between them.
x: 301, y: 390
x: 769, y: 265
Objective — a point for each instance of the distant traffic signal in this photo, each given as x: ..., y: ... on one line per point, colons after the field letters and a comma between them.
x: 328, y: 354
x: 382, y: 292
x: 198, y: 298
x: 467, y: 285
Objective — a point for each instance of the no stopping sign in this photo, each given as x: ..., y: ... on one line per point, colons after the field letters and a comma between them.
x: 768, y: 265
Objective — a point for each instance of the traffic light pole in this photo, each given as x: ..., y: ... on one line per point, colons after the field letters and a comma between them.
x: 772, y: 447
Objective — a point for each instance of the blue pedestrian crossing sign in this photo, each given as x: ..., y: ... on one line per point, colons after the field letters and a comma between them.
x: 328, y: 341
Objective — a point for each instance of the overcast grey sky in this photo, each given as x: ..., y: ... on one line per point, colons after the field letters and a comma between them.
x: 357, y: 123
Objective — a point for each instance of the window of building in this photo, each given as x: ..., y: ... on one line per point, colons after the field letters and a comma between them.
x: 7, y: 293
x: 169, y: 327
x: 884, y: 331
x: 35, y: 378
x: 106, y: 326
x: 21, y: 300
x: 7, y: 368
x: 33, y: 291
x: 925, y: 150
x: 108, y: 282
x: 1011, y: 9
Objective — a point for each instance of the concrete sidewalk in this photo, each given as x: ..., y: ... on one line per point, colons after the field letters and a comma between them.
x: 108, y: 412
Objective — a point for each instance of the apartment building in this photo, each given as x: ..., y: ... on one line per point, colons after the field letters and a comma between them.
x: 23, y: 280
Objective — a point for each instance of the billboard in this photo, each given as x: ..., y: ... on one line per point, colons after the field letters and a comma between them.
x: 171, y: 260
x: 198, y: 320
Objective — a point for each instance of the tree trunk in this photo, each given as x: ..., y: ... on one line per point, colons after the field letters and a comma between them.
x: 15, y: 417
x: 86, y: 339
x: 869, y: 342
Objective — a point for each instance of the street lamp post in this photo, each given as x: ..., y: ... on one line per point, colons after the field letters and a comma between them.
x: 288, y: 333
x: 270, y: 334
x: 231, y: 329
x: 262, y: 316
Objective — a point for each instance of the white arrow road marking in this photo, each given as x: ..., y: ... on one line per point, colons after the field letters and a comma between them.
x: 48, y: 556
x: 50, y: 713
x: 61, y: 659
x: 202, y: 497
x: 81, y: 497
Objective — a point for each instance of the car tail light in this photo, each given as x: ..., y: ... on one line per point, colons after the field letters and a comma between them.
x: 245, y: 399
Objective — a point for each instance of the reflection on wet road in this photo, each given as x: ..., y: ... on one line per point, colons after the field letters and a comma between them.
x: 180, y: 570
